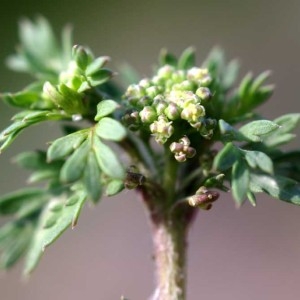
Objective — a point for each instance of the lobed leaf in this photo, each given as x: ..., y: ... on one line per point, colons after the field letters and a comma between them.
x: 52, y: 224
x: 281, y: 136
x: 279, y: 187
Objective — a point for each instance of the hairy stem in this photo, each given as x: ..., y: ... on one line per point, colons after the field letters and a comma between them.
x: 169, y: 238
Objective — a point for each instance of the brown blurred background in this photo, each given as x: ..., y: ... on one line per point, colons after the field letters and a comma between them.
x: 253, y: 253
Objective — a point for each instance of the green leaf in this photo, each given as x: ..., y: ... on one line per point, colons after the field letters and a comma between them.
x: 105, y: 108
x: 230, y: 74
x: 229, y: 133
x: 66, y: 145
x: 258, y: 159
x: 99, y: 77
x: 281, y: 136
x: 11, y: 203
x: 108, y: 160
x: 256, y: 130
x: 91, y: 178
x: 24, y: 99
x: 96, y: 65
x: 73, y: 168
x: 110, y: 129
x: 81, y: 57
x: 14, y: 240
x: 279, y: 187
x: 226, y: 157
x: 251, y: 198
x: 240, y: 181
x: 187, y: 59
x: 45, y: 235
x: 166, y: 58
x: 258, y: 81
x: 114, y: 187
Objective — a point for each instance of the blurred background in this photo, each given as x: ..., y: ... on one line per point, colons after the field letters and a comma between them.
x: 251, y: 253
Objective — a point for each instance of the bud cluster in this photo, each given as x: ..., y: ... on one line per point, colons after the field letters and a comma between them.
x: 167, y: 98
x: 82, y: 73
x: 182, y: 149
x: 203, y: 198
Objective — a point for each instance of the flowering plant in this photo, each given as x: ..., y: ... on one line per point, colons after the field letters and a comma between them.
x: 184, y: 134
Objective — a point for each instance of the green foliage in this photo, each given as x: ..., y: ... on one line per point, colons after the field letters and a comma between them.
x: 209, y: 137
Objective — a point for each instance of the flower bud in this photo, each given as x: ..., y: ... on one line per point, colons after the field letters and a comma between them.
x: 135, y: 91
x: 172, y: 111
x: 190, y: 152
x: 144, y: 101
x: 165, y: 72
x: 181, y: 157
x: 148, y: 114
x: 160, y: 106
x: 176, y: 147
x: 203, y: 93
x: 193, y: 112
x: 185, y: 141
x: 162, y: 129
x: 206, y: 197
x: 152, y: 91
x: 178, y: 76
x: 145, y: 83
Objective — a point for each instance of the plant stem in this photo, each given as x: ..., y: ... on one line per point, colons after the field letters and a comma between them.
x: 169, y: 238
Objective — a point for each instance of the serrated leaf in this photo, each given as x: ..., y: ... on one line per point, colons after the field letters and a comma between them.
x: 105, y: 108
x: 187, y: 59
x: 279, y: 187
x: 91, y: 178
x: 258, y: 159
x: 73, y: 168
x: 114, y: 187
x: 43, y: 237
x: 226, y: 157
x: 66, y: 145
x: 108, y: 160
x: 239, y: 181
x: 110, y: 129
x: 256, y: 130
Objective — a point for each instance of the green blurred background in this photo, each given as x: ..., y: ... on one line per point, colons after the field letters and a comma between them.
x: 245, y: 254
